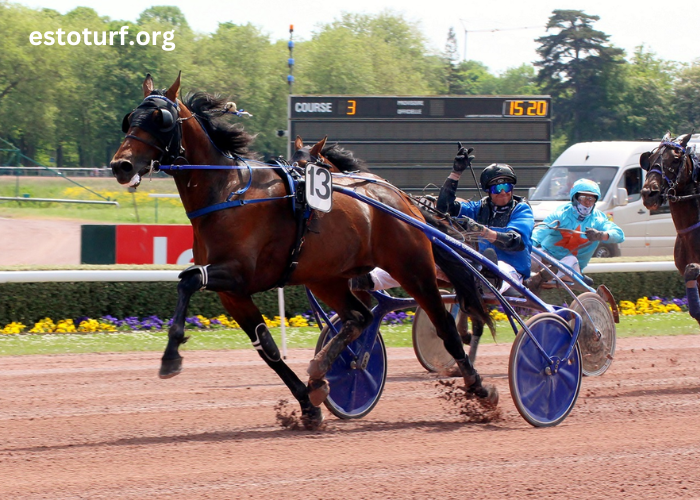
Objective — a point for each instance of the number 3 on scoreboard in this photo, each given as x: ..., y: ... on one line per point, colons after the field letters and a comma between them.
x: 319, y: 188
x: 352, y: 107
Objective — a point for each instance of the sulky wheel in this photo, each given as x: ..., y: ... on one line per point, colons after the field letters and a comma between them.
x: 596, y: 351
x: 544, y: 394
x: 356, y: 377
x: 429, y: 348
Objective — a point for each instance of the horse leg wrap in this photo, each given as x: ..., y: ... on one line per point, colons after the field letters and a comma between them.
x: 204, y: 275
x: 265, y: 344
x: 691, y: 275
x: 324, y: 359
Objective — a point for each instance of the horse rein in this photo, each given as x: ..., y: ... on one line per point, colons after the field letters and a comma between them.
x: 658, y: 168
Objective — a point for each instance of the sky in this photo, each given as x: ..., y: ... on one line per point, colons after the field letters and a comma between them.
x: 500, y: 34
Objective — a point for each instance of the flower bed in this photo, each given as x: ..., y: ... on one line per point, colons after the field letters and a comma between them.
x: 653, y: 305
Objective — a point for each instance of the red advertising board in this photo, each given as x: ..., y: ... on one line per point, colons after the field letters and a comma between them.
x: 154, y: 244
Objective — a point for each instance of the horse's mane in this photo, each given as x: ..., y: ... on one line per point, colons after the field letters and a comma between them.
x: 344, y: 159
x: 228, y: 137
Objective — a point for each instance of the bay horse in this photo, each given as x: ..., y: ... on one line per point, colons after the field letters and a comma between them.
x: 247, y: 238
x: 673, y: 172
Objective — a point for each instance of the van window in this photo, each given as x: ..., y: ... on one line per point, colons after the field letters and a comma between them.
x: 557, y: 182
x: 632, y: 181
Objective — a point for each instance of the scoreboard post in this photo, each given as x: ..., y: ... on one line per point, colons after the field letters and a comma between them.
x: 411, y: 140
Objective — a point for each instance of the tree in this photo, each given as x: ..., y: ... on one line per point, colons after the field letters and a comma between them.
x: 383, y: 54
x: 471, y: 78
x: 451, y: 51
x: 646, y: 106
x: 578, y: 68
x: 521, y: 80
x: 687, y: 101
x: 164, y: 14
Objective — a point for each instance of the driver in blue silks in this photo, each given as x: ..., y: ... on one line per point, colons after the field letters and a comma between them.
x: 503, y: 221
x: 588, y: 228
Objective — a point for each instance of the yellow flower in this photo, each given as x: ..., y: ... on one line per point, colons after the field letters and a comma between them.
x: 13, y: 328
x: 298, y: 321
x: 498, y: 315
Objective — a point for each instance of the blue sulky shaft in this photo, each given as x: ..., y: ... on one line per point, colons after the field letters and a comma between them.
x: 452, y: 245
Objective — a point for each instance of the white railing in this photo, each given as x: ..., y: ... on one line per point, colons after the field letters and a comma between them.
x: 155, y: 275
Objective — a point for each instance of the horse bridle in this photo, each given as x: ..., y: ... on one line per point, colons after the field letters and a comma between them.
x: 671, y: 184
x: 670, y: 177
x: 168, y: 134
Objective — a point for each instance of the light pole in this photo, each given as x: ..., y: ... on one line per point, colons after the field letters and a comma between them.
x: 464, y: 56
x: 290, y: 61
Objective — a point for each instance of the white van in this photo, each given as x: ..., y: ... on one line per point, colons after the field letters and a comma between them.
x: 615, y: 167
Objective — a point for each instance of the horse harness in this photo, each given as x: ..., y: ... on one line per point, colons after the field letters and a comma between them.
x: 168, y: 133
x: 672, y: 183
x: 169, y: 137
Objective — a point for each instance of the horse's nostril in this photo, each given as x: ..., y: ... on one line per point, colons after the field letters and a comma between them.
x: 122, y: 165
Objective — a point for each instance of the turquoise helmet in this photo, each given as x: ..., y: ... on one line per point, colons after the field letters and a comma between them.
x: 586, y: 186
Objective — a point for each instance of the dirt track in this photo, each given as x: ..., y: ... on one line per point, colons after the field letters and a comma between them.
x: 104, y: 426
x: 38, y: 241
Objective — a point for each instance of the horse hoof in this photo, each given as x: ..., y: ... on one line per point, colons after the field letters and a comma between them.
x: 312, y: 418
x: 170, y: 367
x: 318, y: 391
x: 491, y: 397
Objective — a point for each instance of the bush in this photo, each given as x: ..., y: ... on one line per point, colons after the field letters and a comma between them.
x: 31, y: 302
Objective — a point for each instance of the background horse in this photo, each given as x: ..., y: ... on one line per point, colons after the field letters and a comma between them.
x: 673, y: 172
x: 245, y: 232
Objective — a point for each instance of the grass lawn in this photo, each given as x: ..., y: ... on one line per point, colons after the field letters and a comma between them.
x: 133, y: 207
x: 394, y: 336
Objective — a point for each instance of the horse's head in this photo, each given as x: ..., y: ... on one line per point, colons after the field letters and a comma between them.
x: 309, y: 154
x: 669, y: 170
x: 153, y: 134
x: 333, y: 156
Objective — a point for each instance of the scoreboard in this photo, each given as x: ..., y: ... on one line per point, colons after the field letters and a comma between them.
x: 411, y: 140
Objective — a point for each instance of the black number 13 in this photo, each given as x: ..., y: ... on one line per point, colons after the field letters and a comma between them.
x: 324, y: 182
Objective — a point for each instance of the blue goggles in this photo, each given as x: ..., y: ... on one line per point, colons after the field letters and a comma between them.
x: 499, y: 188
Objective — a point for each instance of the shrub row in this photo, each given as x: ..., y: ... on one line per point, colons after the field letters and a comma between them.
x: 31, y: 302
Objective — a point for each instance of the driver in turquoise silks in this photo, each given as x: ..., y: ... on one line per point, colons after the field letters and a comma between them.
x: 588, y: 226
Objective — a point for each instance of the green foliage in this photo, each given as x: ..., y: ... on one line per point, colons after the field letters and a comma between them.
x: 647, y: 98
x: 66, y: 101
x: 578, y: 69
x: 31, y: 302
x: 687, y: 98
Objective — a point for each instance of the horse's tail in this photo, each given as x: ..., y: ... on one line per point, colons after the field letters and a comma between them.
x: 464, y: 283
x: 462, y: 279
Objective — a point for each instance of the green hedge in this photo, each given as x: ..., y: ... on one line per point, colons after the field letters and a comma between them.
x: 630, y: 286
x: 30, y: 302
